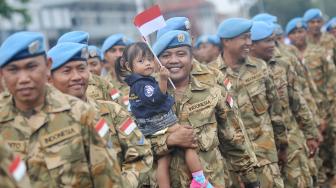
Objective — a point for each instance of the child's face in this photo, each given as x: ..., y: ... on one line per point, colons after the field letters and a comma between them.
x: 143, y: 65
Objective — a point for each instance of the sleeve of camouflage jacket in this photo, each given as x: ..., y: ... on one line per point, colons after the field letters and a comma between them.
x: 331, y: 83
x: 137, y: 155
x: 104, y: 167
x: 299, y: 105
x: 6, y: 159
x: 275, y: 111
x: 233, y: 145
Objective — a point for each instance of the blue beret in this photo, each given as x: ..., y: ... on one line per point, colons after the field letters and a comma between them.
x: 171, y: 39
x: 278, y: 29
x: 114, y: 40
x: 265, y: 17
x: 75, y: 36
x: 331, y: 24
x: 261, y: 30
x: 65, y: 52
x: 294, y: 24
x: 175, y: 23
x: 313, y: 13
x: 21, y: 45
x: 212, y: 39
x: 94, y: 51
x: 233, y: 27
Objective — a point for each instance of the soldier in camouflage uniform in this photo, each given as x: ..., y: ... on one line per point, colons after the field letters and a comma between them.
x: 208, y: 111
x: 53, y: 133
x: 314, y: 20
x: 322, y: 70
x: 112, y: 49
x: 331, y: 27
x: 123, y: 137
x: 12, y: 169
x: 257, y: 100
x: 295, y: 109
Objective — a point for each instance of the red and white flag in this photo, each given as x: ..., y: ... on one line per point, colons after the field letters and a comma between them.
x: 229, y: 100
x: 128, y: 126
x: 102, y: 127
x: 17, y: 168
x: 114, y: 93
x: 149, y: 20
x: 227, y: 83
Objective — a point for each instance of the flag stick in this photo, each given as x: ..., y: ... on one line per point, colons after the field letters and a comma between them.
x: 157, y: 60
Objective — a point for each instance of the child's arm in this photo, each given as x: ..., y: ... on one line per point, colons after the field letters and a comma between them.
x: 163, y: 79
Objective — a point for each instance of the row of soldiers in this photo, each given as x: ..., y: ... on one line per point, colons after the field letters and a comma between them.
x: 259, y: 112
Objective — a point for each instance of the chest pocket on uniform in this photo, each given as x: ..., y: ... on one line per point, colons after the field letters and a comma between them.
x: 206, y: 131
x: 257, y: 95
x: 65, y: 156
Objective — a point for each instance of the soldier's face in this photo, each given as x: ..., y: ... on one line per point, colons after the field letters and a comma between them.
x: 239, y: 46
x: 26, y: 79
x: 95, y: 66
x: 298, y: 37
x: 208, y: 52
x: 333, y: 31
x: 314, y: 26
x: 112, y: 55
x: 264, y: 48
x: 72, y: 78
x: 178, y: 62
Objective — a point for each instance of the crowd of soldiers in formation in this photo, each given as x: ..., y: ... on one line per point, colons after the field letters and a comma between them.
x: 255, y: 102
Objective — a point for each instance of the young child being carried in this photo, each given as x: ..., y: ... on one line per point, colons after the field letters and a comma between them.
x: 152, y: 107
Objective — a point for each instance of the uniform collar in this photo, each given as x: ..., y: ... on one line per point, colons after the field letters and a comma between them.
x: 197, y: 68
x: 55, y: 102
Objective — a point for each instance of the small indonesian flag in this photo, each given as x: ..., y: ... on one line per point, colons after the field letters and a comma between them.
x: 114, y: 93
x: 125, y: 100
x: 128, y: 126
x: 149, y: 20
x: 17, y: 168
x: 227, y: 83
x: 102, y: 127
x: 229, y: 100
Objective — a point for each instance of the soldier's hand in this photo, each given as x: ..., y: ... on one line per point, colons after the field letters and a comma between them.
x: 164, y: 73
x: 312, y: 146
x: 183, y: 136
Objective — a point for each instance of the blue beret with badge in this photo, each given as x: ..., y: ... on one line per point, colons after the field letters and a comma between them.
x: 21, y: 45
x: 265, y: 17
x: 114, y: 40
x: 94, y: 51
x: 64, y: 52
x: 171, y: 39
x: 212, y: 39
x: 331, y: 24
x: 75, y: 36
x: 278, y: 29
x: 294, y: 24
x: 233, y: 27
x: 175, y: 23
x: 313, y: 13
x: 261, y: 30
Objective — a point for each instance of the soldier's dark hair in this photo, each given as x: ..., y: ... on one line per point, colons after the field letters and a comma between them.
x: 130, y: 53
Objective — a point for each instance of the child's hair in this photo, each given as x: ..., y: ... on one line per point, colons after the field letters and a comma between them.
x: 129, y: 54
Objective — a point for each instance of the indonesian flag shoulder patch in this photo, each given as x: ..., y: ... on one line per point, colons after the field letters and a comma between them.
x: 227, y: 84
x: 17, y: 168
x: 114, y: 93
x: 102, y: 127
x: 128, y: 126
x: 229, y: 101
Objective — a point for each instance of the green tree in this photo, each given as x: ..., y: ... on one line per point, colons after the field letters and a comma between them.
x: 7, y: 10
x: 283, y: 9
